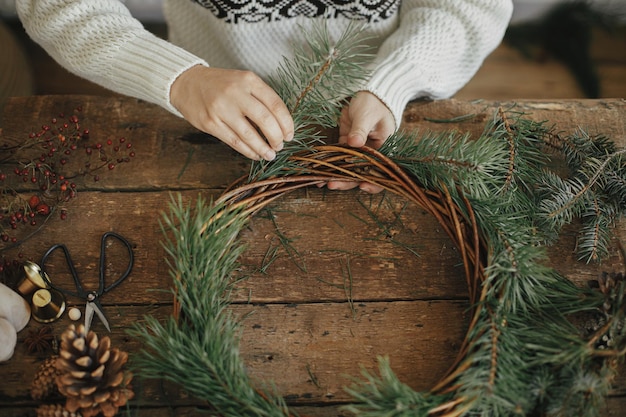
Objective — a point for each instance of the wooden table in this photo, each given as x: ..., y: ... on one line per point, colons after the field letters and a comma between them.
x: 346, y: 276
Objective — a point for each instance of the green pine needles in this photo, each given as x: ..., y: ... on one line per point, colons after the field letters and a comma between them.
x: 536, y: 345
x: 594, y: 191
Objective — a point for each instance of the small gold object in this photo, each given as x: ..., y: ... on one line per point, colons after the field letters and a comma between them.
x: 48, y: 305
x: 32, y: 281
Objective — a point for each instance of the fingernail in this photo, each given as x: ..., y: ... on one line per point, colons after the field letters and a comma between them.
x: 279, y: 147
x: 289, y: 137
x: 270, y: 155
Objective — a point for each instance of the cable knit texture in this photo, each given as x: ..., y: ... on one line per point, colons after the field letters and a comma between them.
x: 426, y: 48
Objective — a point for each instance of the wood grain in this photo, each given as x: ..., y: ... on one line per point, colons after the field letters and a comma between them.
x: 332, y: 279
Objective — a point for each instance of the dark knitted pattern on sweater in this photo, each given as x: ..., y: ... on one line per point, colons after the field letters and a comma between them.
x: 250, y: 11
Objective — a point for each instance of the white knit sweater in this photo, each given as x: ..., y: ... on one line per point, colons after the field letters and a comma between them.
x: 426, y: 48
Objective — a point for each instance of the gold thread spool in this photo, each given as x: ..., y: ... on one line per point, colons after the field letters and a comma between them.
x: 32, y: 281
x: 48, y: 305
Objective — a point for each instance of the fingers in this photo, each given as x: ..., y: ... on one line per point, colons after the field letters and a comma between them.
x: 255, y: 130
x: 254, y: 147
x: 261, y: 122
x: 236, y: 107
x: 357, y: 137
x: 272, y: 118
x: 370, y: 188
x: 342, y: 185
x: 365, y: 121
x: 348, y: 185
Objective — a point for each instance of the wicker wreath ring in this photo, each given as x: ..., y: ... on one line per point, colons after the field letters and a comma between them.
x: 519, y: 335
x: 324, y: 163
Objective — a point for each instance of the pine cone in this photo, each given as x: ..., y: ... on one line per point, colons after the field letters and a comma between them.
x: 44, y: 383
x: 91, y: 374
x: 54, y: 410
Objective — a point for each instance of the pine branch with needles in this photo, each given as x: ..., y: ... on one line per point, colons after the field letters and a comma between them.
x: 499, y: 199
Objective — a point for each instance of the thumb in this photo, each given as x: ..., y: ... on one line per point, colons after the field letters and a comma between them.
x: 357, y: 137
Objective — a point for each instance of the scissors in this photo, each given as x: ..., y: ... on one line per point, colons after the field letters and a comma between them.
x: 92, y: 298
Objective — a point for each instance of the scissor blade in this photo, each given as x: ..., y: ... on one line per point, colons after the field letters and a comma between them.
x: 88, y: 316
x: 89, y: 311
x: 100, y: 314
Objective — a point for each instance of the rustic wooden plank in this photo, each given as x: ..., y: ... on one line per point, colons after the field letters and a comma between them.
x: 400, y: 243
x: 171, y: 154
x: 301, y: 297
x: 307, y: 350
x: 603, y: 116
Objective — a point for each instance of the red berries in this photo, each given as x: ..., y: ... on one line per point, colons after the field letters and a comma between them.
x: 33, y: 202
x: 43, y: 209
x: 51, y: 161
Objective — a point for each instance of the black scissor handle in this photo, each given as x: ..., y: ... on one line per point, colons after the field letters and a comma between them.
x: 122, y: 277
x: 80, y: 291
x: 70, y: 264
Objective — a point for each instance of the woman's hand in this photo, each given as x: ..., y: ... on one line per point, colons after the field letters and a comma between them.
x: 364, y: 121
x: 237, y: 107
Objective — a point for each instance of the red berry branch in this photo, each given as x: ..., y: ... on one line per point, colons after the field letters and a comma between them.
x: 39, y: 173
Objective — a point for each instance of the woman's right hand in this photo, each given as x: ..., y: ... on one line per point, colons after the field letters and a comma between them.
x: 237, y: 107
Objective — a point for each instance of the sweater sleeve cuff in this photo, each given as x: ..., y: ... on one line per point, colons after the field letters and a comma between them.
x: 148, y: 66
x: 395, y: 85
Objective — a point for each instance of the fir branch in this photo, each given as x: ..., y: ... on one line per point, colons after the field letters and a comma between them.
x: 569, y: 198
x: 615, y: 187
x: 492, y: 195
x: 495, y: 335
x: 594, y: 169
x: 315, y: 85
x: 565, y: 203
x: 322, y: 75
x: 594, y: 235
x: 387, y: 396
x: 199, y: 350
x: 524, y: 140
x: 507, y: 127
x: 580, y: 146
x: 324, y: 68
x: 450, y: 158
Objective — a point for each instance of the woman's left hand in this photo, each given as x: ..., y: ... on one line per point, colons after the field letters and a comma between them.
x: 365, y: 120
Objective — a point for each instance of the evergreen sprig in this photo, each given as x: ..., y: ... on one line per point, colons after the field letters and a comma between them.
x: 315, y: 84
x: 593, y: 191
x: 522, y: 354
x: 321, y: 75
x: 199, y: 348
